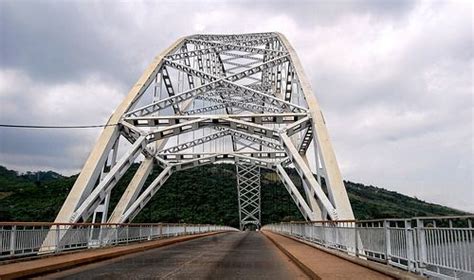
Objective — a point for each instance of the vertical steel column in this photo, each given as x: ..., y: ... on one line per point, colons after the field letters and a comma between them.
x: 248, y: 191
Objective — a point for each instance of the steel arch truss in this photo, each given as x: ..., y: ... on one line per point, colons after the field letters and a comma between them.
x: 215, y: 98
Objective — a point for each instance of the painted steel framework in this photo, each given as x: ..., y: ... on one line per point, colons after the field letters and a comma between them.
x: 215, y: 98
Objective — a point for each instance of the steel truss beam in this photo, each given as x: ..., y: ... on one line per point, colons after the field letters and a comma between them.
x: 241, y: 65
x: 295, y: 194
x: 238, y: 104
x: 196, y: 142
x: 253, y: 125
x: 177, y: 157
x: 105, y: 186
x: 247, y: 47
x: 205, y: 89
x: 234, y: 56
x: 222, y: 132
x: 307, y: 176
x: 131, y: 193
x: 187, y: 62
x: 247, y: 73
x: 146, y: 195
x: 275, y: 118
x: 273, y: 132
x: 306, y: 140
x: 206, y: 109
x: 232, y: 37
x: 231, y: 157
x: 218, y: 47
x: 257, y: 140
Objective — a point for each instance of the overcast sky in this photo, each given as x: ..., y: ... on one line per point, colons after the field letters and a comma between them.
x: 394, y: 79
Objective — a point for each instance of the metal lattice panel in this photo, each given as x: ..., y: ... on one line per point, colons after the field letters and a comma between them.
x: 248, y: 190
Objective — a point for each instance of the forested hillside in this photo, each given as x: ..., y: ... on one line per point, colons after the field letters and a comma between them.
x: 201, y: 195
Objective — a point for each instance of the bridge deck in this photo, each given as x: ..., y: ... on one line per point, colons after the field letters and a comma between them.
x: 233, y: 255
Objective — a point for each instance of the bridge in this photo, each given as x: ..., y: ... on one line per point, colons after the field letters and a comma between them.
x: 242, y: 99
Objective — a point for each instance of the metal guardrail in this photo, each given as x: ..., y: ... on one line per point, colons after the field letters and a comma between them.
x: 439, y: 247
x: 25, y: 239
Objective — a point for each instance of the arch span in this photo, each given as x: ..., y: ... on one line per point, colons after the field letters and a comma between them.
x: 242, y: 98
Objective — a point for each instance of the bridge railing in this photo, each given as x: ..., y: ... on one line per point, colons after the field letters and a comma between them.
x: 433, y: 246
x: 24, y: 239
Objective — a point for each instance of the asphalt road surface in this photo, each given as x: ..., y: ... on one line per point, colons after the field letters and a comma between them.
x: 234, y: 255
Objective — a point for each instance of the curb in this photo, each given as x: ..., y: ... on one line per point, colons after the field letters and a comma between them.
x: 310, y: 273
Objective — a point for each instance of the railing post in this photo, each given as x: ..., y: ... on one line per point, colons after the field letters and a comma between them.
x: 410, y: 239
x: 126, y: 228
x: 323, y: 234
x: 356, y: 243
x: 421, y: 244
x: 13, y: 241
x: 185, y: 229
x: 101, y: 228
x: 116, y: 234
x: 90, y: 234
x: 160, y: 226
x: 57, y: 239
x: 386, y: 225
x: 150, y: 234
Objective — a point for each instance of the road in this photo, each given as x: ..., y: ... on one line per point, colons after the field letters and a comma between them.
x: 234, y: 255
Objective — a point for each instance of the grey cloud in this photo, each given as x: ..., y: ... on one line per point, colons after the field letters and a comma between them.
x: 51, y: 143
x: 308, y: 13
x: 64, y: 40
x: 53, y: 41
x: 394, y: 78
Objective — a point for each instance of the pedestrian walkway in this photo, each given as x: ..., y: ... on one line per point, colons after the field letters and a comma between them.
x: 324, y: 265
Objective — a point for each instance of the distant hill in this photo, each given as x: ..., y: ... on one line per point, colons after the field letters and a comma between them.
x: 10, y: 178
x: 200, y: 195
